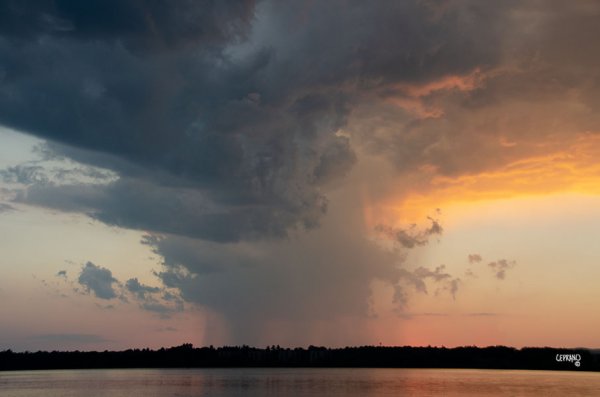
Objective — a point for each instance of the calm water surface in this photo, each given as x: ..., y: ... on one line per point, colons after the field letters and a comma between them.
x: 296, y: 382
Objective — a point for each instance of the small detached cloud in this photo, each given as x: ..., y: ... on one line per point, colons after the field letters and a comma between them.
x: 62, y: 273
x: 411, y: 236
x: 500, y: 267
x: 138, y: 289
x: 475, y: 258
x: 418, y: 278
x: 98, y: 280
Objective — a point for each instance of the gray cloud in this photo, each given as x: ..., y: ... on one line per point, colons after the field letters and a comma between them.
x: 246, y: 122
x: 61, y: 273
x: 135, y: 203
x: 314, y: 278
x: 299, y: 283
x: 25, y: 174
x: 51, y: 170
x: 98, y: 280
x: 264, y: 106
x: 140, y: 290
x: 142, y: 26
x: 418, y: 277
x: 500, y: 267
x: 475, y: 258
x: 411, y: 237
x: 154, y: 299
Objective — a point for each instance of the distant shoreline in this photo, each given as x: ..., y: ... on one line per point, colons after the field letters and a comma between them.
x: 186, y: 356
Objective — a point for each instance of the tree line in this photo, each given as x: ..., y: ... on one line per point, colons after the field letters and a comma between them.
x: 187, y: 356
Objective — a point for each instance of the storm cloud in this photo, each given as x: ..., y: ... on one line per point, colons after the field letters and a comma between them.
x: 240, y: 116
x: 228, y: 132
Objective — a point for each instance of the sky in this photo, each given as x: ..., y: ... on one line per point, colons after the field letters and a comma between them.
x: 335, y: 173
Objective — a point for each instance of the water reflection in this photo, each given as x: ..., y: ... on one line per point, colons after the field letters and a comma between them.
x: 296, y: 382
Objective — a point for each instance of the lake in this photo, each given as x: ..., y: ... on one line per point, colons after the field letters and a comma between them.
x: 296, y: 382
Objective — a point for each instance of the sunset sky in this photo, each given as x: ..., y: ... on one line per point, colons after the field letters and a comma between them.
x: 332, y: 173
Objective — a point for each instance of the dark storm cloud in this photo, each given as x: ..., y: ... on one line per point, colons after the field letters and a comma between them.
x: 136, y: 203
x: 240, y: 104
x: 137, y: 22
x: 98, y: 280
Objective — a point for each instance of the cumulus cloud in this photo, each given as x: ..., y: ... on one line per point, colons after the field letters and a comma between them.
x: 500, y: 267
x: 98, y: 280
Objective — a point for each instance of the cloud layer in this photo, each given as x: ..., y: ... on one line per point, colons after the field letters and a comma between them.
x: 227, y: 130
